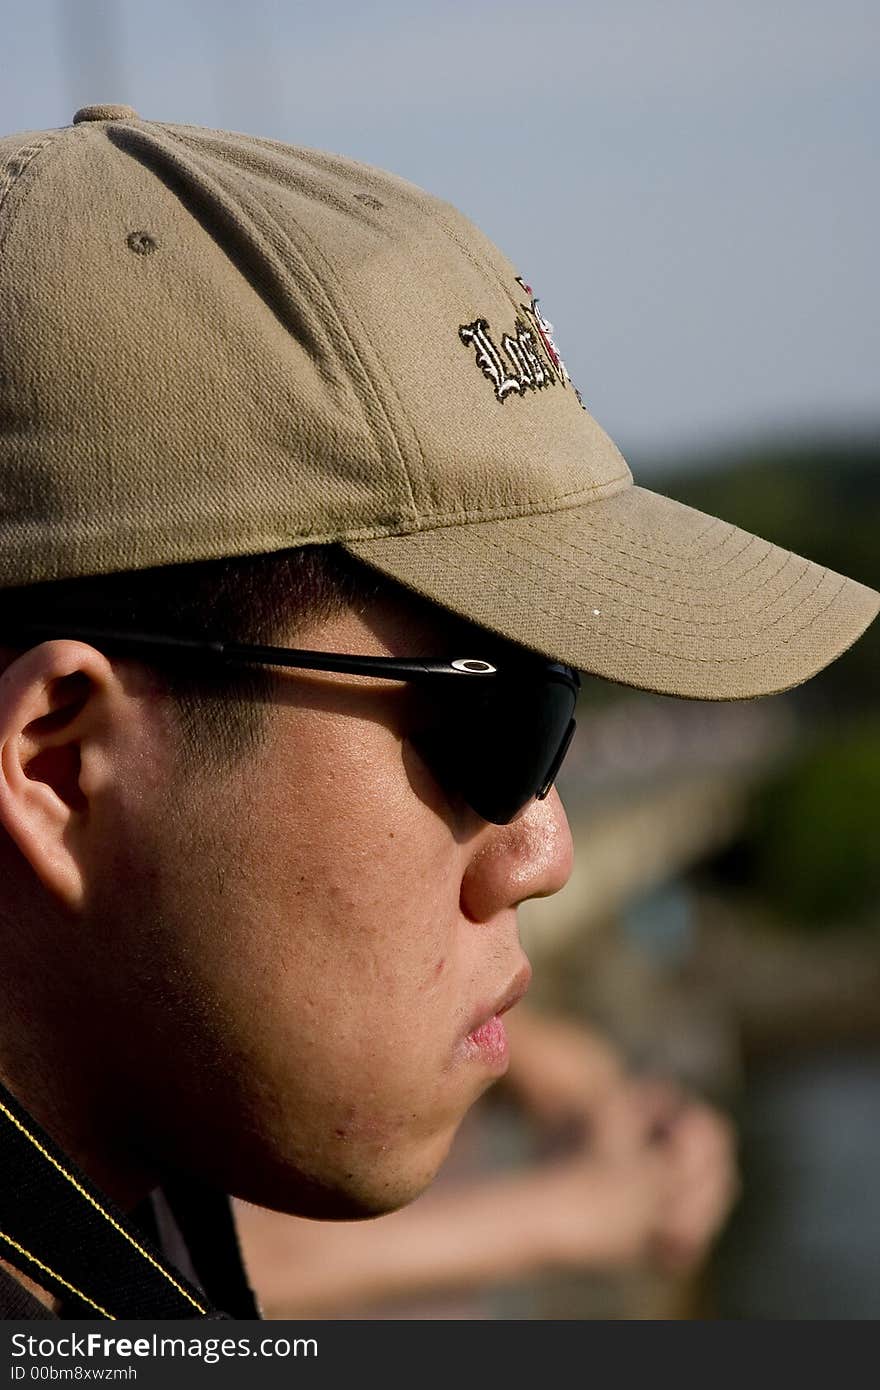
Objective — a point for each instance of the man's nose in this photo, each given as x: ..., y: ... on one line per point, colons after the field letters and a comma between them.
x: 529, y: 858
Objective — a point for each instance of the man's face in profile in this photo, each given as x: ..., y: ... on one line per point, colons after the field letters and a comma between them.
x: 297, y: 949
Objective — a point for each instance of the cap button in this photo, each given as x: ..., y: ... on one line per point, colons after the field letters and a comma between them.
x: 105, y: 112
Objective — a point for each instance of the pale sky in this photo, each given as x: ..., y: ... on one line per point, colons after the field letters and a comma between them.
x: 690, y: 185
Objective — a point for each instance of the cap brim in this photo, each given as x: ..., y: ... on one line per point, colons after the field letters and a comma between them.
x: 639, y: 589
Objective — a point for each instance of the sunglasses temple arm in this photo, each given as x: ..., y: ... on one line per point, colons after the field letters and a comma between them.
x: 391, y: 667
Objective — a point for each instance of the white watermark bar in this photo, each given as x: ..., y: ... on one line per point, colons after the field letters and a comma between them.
x: 166, y: 1354
x: 410, y: 1353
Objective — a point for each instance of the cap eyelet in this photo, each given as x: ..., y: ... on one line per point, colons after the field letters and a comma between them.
x: 141, y: 243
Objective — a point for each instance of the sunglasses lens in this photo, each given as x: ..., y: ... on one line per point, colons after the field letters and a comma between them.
x: 501, y: 745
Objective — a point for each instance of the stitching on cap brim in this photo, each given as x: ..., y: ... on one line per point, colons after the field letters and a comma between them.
x: 639, y: 589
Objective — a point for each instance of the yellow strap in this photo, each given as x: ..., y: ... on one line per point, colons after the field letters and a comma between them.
x: 106, y: 1215
x: 79, y: 1293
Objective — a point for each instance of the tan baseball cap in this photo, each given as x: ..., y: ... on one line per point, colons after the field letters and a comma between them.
x: 213, y: 344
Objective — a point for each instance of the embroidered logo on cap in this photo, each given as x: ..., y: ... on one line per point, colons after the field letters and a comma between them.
x: 524, y: 370
x: 545, y: 330
x: 518, y: 365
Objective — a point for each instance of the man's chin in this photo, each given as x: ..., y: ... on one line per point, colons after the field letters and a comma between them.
x: 333, y: 1202
x: 357, y: 1194
x: 348, y: 1196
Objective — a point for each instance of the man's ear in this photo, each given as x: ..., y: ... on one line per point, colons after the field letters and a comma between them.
x: 56, y: 713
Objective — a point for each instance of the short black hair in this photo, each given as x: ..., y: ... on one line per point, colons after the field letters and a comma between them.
x: 220, y: 713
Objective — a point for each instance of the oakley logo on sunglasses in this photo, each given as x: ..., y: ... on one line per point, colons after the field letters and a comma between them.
x: 472, y: 664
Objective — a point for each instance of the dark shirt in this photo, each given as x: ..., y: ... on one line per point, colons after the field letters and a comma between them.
x: 195, y: 1231
x: 176, y: 1255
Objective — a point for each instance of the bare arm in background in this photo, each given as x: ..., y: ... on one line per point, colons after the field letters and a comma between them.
x: 648, y: 1181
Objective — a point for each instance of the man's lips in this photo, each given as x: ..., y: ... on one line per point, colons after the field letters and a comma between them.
x: 512, y: 995
x: 486, y: 1040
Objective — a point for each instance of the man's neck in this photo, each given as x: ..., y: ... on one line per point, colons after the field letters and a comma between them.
x: 73, y: 1103
x: 47, y: 1299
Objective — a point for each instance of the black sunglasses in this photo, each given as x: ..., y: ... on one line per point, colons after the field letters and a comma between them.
x: 498, y: 732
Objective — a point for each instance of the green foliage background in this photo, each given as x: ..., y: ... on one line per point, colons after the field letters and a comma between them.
x: 811, y: 848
